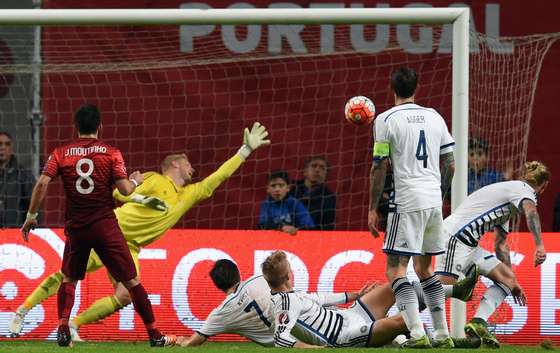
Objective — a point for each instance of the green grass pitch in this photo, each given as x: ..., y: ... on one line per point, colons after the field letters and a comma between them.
x: 139, y: 347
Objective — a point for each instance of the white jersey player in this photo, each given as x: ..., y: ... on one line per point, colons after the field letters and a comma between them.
x: 416, y: 141
x: 305, y: 320
x: 246, y: 310
x: 490, y: 208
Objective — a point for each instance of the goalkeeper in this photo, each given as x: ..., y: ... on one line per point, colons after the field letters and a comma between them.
x: 156, y: 206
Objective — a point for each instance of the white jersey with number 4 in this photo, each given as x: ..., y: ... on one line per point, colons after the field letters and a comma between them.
x: 416, y: 137
x: 486, y: 208
x: 246, y: 312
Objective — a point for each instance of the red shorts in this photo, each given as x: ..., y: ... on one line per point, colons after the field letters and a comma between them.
x: 105, y: 237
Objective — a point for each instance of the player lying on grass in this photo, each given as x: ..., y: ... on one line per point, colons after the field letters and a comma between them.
x: 489, y: 208
x: 304, y: 320
x: 142, y: 226
x: 246, y: 310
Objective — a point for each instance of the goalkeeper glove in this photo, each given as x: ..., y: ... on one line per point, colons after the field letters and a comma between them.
x: 253, y: 139
x: 150, y: 202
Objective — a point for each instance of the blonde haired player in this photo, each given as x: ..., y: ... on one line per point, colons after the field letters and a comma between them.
x: 490, y: 208
x: 142, y: 226
x: 247, y: 307
x: 303, y: 320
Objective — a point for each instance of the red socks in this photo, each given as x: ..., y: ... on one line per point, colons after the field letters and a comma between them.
x: 143, y: 307
x: 65, y: 301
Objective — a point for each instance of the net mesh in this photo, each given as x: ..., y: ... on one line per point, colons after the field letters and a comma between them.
x: 165, y: 89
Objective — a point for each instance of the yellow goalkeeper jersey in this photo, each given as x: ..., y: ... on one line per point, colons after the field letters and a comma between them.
x: 142, y: 225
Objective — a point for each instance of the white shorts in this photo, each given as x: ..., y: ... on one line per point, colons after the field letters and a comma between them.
x: 356, y: 327
x: 415, y: 233
x: 459, y: 257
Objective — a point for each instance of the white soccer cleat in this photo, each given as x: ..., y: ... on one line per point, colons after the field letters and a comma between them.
x: 74, y: 333
x: 399, y: 340
x: 16, y: 324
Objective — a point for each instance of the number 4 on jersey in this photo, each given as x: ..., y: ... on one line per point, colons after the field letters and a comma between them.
x: 421, y: 153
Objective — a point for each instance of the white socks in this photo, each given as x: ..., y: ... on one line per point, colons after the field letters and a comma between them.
x: 492, y: 298
x: 407, y: 303
x: 434, y: 296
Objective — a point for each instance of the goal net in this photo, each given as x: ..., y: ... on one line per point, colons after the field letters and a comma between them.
x: 164, y: 90
x: 172, y: 89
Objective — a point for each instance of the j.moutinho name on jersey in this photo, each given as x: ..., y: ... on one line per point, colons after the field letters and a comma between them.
x: 84, y: 151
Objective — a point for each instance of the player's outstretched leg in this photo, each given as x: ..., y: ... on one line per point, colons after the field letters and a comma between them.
x: 385, y: 330
x: 101, y: 309
x: 381, y: 299
x: 47, y: 288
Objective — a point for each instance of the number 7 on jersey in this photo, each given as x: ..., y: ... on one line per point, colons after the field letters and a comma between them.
x: 259, y: 311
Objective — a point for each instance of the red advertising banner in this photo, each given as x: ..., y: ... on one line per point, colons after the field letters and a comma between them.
x: 175, y: 272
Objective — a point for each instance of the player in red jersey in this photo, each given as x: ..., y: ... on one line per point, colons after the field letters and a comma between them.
x: 89, y: 168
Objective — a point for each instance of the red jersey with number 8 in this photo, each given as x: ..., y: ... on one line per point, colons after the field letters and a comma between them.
x: 89, y: 168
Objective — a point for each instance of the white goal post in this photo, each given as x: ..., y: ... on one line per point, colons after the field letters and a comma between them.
x: 458, y: 17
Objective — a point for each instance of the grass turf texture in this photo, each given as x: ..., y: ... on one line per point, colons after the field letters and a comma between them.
x: 139, y: 347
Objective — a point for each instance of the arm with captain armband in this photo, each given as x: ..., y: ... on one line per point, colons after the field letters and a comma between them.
x: 378, y: 172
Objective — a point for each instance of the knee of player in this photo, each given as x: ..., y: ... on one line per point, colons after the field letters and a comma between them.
x: 391, y: 273
x: 503, y: 274
x: 131, y: 283
x: 123, y: 297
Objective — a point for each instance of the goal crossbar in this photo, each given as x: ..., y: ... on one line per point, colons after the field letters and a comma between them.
x: 229, y: 16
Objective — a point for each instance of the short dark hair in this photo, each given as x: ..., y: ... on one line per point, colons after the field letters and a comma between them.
x: 317, y: 158
x: 225, y: 274
x: 6, y: 133
x: 479, y: 143
x: 404, y: 81
x: 87, y: 119
x: 279, y: 174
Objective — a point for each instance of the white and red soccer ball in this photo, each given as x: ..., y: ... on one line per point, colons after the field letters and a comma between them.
x: 359, y: 110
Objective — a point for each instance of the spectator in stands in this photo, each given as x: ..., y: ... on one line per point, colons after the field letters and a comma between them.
x: 314, y: 193
x: 16, y: 184
x: 280, y: 210
x: 479, y: 173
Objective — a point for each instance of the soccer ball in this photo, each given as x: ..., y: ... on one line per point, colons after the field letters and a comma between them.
x: 359, y: 110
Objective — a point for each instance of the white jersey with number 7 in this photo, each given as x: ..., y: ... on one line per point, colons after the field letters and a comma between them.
x: 416, y: 136
x: 246, y: 312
